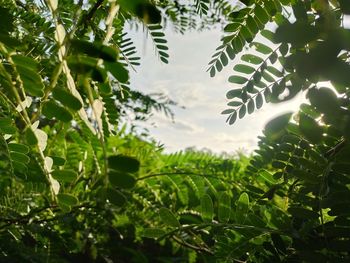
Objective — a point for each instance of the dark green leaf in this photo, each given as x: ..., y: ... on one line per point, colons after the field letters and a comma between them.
x: 251, y: 106
x: 122, y: 180
x: 52, y: 110
x: 259, y: 101
x: 310, y: 128
x: 233, y: 118
x: 115, y: 197
x: 123, y: 163
x: 96, y: 50
x: 117, y: 70
x: 233, y: 93
x: 153, y: 232
x: 242, y: 111
x: 275, y: 128
x: 16, y: 147
x: 67, y: 199
x: 237, y: 79
x: 67, y: 99
x: 168, y: 217
x: 301, y: 212
x: 65, y: 176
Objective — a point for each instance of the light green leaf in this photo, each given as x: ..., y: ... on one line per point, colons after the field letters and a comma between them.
x: 262, y: 48
x: 244, y: 68
x: 237, y: 79
x: 207, y: 209
x: 224, y: 209
x: 250, y: 58
x: 242, y: 207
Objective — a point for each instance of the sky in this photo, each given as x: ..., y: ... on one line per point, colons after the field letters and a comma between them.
x: 186, y: 81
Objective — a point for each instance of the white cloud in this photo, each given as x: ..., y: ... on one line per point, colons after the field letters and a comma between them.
x: 186, y: 81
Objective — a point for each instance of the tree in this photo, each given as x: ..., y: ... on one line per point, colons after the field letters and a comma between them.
x: 75, y: 186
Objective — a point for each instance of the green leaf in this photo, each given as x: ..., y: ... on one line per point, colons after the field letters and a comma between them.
x: 242, y: 207
x: 16, y: 147
x: 268, y: 77
x: 234, y: 103
x: 207, y: 209
x: 7, y: 126
x: 310, y: 128
x: 122, y: 180
x: 299, y: 33
x: 233, y: 93
x: 96, y: 50
x: 274, y: 71
x: 261, y: 14
x: 67, y: 99
x: 262, y: 48
x: 115, y: 197
x: 275, y: 128
x: 59, y: 161
x: 19, y: 157
x: 153, y: 232
x: 232, y: 27
x: 251, y: 106
x: 268, y: 34
x: 31, y: 137
x: 117, y: 70
x: 224, y: 59
x: 224, y: 208
x: 267, y: 176
x: 250, y: 58
x: 228, y: 111
x: 123, y: 163
x: 67, y: 200
x: 242, y: 111
x: 244, y: 68
x: 24, y: 61
x: 65, y: 176
x: 31, y: 80
x: 237, y: 79
x: 233, y: 118
x: 259, y: 101
x: 301, y: 212
x: 168, y: 217
x: 52, y: 110
x: 324, y: 100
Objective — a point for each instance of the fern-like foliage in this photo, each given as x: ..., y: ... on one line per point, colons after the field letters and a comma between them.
x: 242, y: 29
x: 160, y: 43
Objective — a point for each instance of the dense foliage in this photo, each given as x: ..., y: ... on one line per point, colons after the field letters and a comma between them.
x: 77, y: 186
